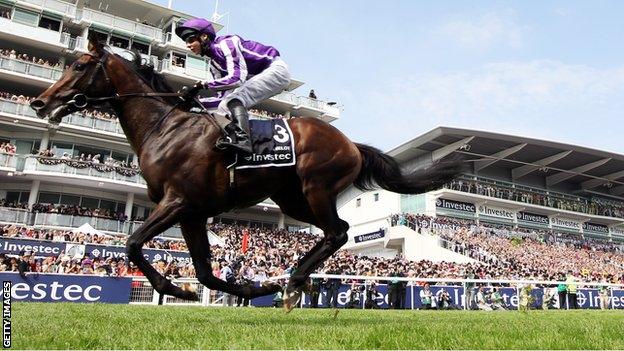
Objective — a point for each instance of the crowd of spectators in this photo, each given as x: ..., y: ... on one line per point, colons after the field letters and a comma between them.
x: 265, y: 114
x: 7, y: 148
x: 12, y: 54
x: 499, y: 253
x: 49, y: 156
x: 5, y: 13
x: 595, y: 206
x: 74, y: 210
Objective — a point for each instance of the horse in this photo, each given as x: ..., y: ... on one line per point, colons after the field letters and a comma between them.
x: 188, y: 179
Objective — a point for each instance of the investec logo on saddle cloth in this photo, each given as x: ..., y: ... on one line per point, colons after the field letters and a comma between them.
x: 273, y: 145
x: 455, y: 205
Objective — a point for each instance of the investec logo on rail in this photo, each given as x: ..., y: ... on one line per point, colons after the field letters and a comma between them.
x: 56, y: 291
x: 35, y: 249
x: 596, y: 228
x: 455, y: 205
x: 532, y: 217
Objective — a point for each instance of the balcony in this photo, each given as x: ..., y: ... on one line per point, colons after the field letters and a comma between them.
x: 186, y: 72
x: 118, y: 23
x: 306, y: 102
x: 15, y: 216
x: 61, y: 7
x: 73, y: 120
x: 30, y: 69
x: 8, y: 162
x: 44, y: 38
x: 83, y: 170
x: 56, y: 220
x: 170, y: 39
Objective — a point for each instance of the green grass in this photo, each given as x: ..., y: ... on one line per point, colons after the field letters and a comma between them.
x: 101, y: 326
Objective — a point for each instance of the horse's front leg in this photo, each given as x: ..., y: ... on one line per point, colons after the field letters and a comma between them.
x: 194, y: 232
x: 165, y: 215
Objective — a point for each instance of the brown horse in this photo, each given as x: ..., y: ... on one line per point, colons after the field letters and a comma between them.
x: 187, y: 178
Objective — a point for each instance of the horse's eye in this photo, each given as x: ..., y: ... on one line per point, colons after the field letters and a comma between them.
x: 79, y: 67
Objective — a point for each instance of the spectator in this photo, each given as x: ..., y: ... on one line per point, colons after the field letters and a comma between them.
x: 426, y: 297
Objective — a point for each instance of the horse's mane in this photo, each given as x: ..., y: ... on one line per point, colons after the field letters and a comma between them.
x: 148, y: 74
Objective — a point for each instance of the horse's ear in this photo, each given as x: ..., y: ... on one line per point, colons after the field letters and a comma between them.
x: 94, y: 43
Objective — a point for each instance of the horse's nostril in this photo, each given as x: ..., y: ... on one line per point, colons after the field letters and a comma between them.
x: 37, y: 104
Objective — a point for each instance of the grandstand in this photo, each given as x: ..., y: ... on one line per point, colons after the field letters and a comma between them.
x: 84, y: 169
x: 514, y: 182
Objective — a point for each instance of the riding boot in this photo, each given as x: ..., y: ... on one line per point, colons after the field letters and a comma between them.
x: 239, y: 131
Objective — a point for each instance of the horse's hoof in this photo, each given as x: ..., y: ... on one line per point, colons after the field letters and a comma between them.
x: 291, y: 300
x: 271, y: 286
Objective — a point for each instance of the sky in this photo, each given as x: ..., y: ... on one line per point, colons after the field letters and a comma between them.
x: 539, y: 69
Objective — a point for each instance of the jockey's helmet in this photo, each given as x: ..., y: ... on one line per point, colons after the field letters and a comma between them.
x: 195, y: 26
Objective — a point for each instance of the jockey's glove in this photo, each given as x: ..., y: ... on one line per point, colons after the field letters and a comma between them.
x: 188, y: 93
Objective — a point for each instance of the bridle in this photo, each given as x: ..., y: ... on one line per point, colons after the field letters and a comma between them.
x: 81, y: 101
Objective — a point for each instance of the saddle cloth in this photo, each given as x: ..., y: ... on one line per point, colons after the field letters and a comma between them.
x: 273, y: 145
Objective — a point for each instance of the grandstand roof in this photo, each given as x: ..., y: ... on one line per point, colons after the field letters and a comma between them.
x: 578, y: 168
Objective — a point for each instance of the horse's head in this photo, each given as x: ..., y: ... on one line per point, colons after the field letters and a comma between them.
x: 85, y: 79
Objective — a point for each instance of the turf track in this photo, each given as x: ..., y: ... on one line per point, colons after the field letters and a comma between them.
x: 101, y: 326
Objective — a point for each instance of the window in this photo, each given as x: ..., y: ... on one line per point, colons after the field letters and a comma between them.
x: 376, y: 197
x: 71, y: 200
x: 50, y: 23
x: 140, y: 47
x: 178, y: 60
x: 89, y: 202
x: 358, y: 202
x: 26, y: 17
x: 102, y: 37
x: 119, y: 42
x: 49, y: 198
x: 5, y: 12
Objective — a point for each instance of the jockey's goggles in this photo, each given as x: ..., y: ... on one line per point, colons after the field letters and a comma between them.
x: 192, y: 38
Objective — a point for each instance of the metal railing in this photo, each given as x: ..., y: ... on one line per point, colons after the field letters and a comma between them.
x: 62, y: 7
x: 120, y: 23
x: 30, y: 68
x: 33, y: 165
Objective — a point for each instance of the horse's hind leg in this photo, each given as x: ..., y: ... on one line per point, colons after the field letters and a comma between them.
x: 165, y: 215
x: 194, y: 232
x: 323, y: 205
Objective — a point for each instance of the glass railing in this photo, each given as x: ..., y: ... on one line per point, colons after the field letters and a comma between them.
x: 76, y: 119
x: 62, y: 7
x: 171, y: 39
x: 30, y: 68
x: 120, y: 23
x: 68, y: 221
x: 86, y: 169
x: 173, y: 232
x: 15, y: 108
x: 192, y: 73
x: 14, y: 215
x: 291, y: 98
x: 8, y: 160
x: 107, y: 125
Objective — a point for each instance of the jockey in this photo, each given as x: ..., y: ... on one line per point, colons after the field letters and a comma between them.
x: 245, y: 73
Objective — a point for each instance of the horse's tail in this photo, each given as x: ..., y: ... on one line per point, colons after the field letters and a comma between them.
x: 381, y: 170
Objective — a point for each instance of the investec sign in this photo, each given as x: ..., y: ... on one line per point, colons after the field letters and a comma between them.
x: 452, y: 205
x: 533, y: 218
x: 496, y: 212
x: 566, y: 223
x: 595, y: 228
x: 618, y: 231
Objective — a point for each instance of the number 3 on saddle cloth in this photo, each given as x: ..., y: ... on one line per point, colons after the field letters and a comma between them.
x: 273, y: 145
